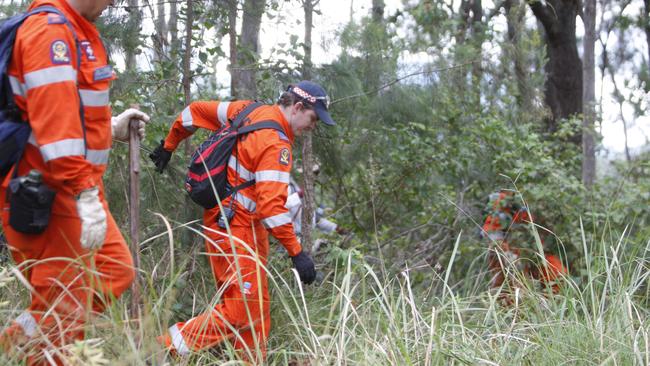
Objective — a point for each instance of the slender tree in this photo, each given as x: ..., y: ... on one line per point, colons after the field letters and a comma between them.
x: 589, y: 95
x: 307, y: 145
x: 232, y: 32
x: 248, y: 52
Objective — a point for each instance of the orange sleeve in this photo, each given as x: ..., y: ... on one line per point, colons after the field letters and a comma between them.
x: 210, y: 115
x: 272, y: 174
x: 45, y: 55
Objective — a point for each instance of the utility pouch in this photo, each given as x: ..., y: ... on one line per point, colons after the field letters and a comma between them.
x: 228, y: 213
x: 30, y: 203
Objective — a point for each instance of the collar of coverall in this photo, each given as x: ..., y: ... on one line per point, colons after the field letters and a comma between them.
x: 89, y: 30
x: 284, y: 123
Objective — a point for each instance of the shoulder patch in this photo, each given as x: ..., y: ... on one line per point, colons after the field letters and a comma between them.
x: 87, y: 49
x: 59, y: 52
x: 55, y: 19
x: 103, y: 73
x: 282, y: 136
x: 285, y: 156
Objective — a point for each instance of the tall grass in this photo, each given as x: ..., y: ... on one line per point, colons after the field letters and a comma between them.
x: 359, y: 316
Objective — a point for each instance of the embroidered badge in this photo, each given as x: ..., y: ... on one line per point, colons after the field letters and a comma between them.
x: 55, y: 19
x: 88, y: 50
x: 59, y: 53
x: 103, y: 73
x: 285, y: 156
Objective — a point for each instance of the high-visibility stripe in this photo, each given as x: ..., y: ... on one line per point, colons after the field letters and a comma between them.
x: 63, y: 148
x: 272, y: 176
x: 277, y: 220
x: 28, y: 323
x: 32, y: 140
x: 94, y: 98
x: 495, y: 235
x: 50, y: 75
x: 16, y: 87
x: 222, y: 112
x: 186, y: 117
x: 248, y: 203
x: 177, y: 341
x: 243, y: 172
x: 98, y: 157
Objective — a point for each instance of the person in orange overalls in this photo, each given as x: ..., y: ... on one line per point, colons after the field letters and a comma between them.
x: 243, y: 315
x: 80, y: 263
x: 504, y: 215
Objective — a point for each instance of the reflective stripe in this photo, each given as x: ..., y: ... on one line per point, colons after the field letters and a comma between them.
x: 186, y: 118
x: 277, y: 220
x: 495, y: 235
x: 28, y: 323
x: 50, y: 75
x: 178, y: 342
x: 243, y: 172
x: 248, y: 203
x: 32, y: 140
x: 16, y: 87
x: 94, y: 98
x: 63, y: 148
x: 222, y: 112
x: 98, y: 157
x: 272, y: 176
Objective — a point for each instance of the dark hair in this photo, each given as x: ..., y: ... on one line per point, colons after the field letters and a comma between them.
x: 287, y: 99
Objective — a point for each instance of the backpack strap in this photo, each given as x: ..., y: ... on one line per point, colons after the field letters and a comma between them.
x: 270, y: 124
x: 260, y: 126
x: 244, y: 113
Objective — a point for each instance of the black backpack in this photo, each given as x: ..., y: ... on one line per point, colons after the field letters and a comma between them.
x: 207, y: 176
x: 14, y: 132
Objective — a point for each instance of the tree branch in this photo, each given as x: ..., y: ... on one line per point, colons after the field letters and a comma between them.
x: 544, y: 15
x: 400, y: 79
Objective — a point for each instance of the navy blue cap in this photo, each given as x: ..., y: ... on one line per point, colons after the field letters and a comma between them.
x: 316, y: 96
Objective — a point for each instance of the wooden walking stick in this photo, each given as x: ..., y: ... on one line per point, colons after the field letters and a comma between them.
x: 134, y: 211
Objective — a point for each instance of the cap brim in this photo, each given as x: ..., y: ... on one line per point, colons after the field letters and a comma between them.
x: 324, y: 116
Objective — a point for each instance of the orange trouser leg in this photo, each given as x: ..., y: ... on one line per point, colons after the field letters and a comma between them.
x: 68, y: 282
x: 242, y: 317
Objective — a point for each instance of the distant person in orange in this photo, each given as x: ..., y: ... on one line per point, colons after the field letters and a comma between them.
x: 80, y: 262
x: 242, y: 317
x: 505, y: 214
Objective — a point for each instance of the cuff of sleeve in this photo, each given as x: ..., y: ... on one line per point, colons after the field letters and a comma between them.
x: 169, y: 146
x: 84, y: 184
x: 294, y: 249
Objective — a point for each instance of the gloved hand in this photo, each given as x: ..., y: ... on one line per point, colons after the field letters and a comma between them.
x: 305, y: 267
x: 342, y: 231
x: 93, y: 219
x: 120, y: 124
x: 160, y: 157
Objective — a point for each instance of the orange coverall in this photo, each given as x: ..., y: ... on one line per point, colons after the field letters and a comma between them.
x: 48, y: 88
x: 263, y: 155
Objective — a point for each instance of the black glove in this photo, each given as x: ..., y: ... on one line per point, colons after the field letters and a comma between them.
x: 305, y: 267
x: 160, y: 157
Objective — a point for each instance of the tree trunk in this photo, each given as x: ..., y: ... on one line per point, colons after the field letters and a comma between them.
x: 248, y: 53
x: 232, y: 31
x: 477, y: 41
x: 307, y: 148
x: 563, y: 87
x: 160, y: 39
x: 131, y: 43
x: 173, y: 28
x: 589, y: 96
x: 515, y: 14
x: 646, y: 24
x: 187, y: 58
